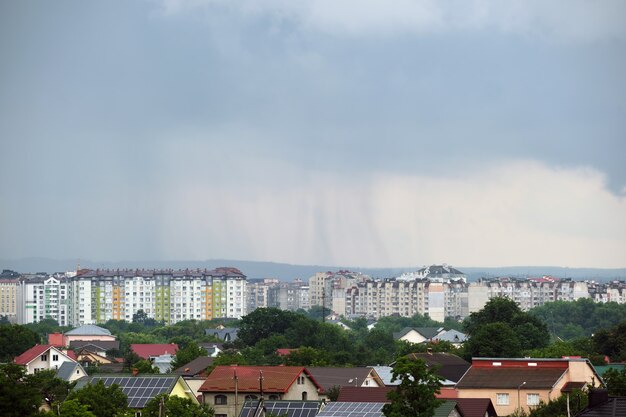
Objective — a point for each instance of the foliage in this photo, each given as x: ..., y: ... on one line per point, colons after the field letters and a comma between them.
x: 615, y: 381
x: 493, y: 340
x: 14, y: 340
x: 187, y: 354
x: 581, y: 318
x: 73, y: 408
x: 144, y: 366
x: 141, y: 317
x: 46, y: 326
x: 176, y: 407
x: 393, y: 324
x: 415, y: 396
x: 263, y: 323
x: 50, y: 387
x: 306, y: 356
x: 101, y: 400
x: 333, y: 392
x: 522, y: 331
x: 17, y: 398
x: 558, y: 407
x: 612, y: 342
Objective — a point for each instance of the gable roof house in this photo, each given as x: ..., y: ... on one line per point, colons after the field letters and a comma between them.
x: 141, y: 389
x: 225, y: 334
x: 345, y: 377
x: 88, y: 332
x: 97, y: 346
x: 71, y: 371
x: 150, y: 351
x: 523, y: 383
x: 228, y: 387
x: 447, y: 365
x: 419, y: 334
x: 44, y: 357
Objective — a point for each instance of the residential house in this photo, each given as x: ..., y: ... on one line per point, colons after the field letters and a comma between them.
x: 513, y: 383
x: 88, y: 332
x: 345, y: 377
x: 88, y: 358
x: 455, y: 337
x: 163, y: 362
x: 71, y: 371
x: 419, y: 334
x: 447, y: 365
x: 601, y: 405
x: 44, y: 357
x: 225, y: 334
x: 228, y: 387
x: 150, y: 351
x: 142, y: 388
x: 101, y: 347
x: 195, y: 372
x: 212, y: 349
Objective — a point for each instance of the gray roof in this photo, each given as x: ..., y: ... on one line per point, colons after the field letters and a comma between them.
x: 329, y: 377
x: 227, y: 334
x: 427, y: 332
x: 95, y: 345
x: 67, y: 369
x: 453, y: 336
x: 89, y: 330
x: 195, y: 367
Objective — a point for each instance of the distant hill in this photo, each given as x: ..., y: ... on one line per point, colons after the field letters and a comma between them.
x: 288, y: 272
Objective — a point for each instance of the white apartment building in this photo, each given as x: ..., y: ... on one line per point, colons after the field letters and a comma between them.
x: 44, y: 297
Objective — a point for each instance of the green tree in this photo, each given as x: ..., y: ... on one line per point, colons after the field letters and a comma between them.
x: 144, y: 366
x: 101, y: 400
x: 187, y: 354
x: 73, y: 408
x: 615, y: 381
x: 612, y: 341
x: 306, y: 356
x: 493, y: 340
x: 558, y: 407
x: 14, y: 340
x: 175, y: 407
x: 415, y: 396
x: 263, y: 323
x: 17, y: 399
x: 51, y: 389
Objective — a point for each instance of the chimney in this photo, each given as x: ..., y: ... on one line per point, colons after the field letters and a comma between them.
x: 598, y: 396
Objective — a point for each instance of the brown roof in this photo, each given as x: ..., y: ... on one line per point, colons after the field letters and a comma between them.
x: 364, y: 394
x: 572, y: 385
x: 512, y: 378
x: 449, y: 366
x: 275, y: 378
x: 342, y: 377
x: 195, y: 367
x: 475, y: 407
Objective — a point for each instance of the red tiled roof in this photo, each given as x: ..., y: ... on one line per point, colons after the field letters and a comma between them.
x: 32, y: 353
x: 476, y: 407
x: 38, y: 350
x: 284, y: 352
x: 145, y: 351
x: 364, y: 394
x: 275, y: 378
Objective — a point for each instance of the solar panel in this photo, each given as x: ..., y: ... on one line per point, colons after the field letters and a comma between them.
x: 139, y: 390
x: 345, y: 409
x: 286, y: 408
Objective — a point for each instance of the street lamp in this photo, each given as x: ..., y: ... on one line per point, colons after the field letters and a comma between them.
x: 519, y: 405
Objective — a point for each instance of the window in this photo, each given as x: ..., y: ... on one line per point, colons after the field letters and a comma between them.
x: 251, y: 397
x: 300, y: 380
x: 502, y: 399
x: 44, y: 357
x: 55, y: 357
x: 532, y: 399
x: 221, y: 400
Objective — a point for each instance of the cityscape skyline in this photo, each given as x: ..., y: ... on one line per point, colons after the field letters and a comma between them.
x: 312, y: 134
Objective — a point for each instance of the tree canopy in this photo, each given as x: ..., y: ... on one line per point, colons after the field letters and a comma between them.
x: 101, y: 400
x: 14, y: 340
x: 174, y: 406
x: 415, y: 396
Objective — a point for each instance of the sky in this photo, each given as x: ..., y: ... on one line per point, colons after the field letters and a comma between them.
x: 347, y: 132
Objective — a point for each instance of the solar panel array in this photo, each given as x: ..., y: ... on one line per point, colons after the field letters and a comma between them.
x: 139, y: 390
x: 286, y: 408
x: 341, y: 409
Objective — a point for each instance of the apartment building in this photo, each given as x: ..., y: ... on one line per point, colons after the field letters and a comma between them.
x: 290, y: 296
x: 96, y: 296
x: 8, y: 299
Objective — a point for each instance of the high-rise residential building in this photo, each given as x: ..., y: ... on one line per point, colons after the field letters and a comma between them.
x: 8, y: 299
x: 290, y: 296
x: 96, y: 296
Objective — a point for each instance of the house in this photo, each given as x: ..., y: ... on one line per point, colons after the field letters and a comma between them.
x: 345, y: 377
x: 212, y: 349
x: 163, y: 362
x: 196, y: 367
x: 375, y: 409
x: 512, y: 383
x: 467, y: 407
x: 88, y: 358
x: 71, y: 371
x: 141, y: 389
x: 280, y: 408
x: 228, y: 387
x: 455, y: 337
x: 225, y: 334
x: 150, y: 351
x: 97, y: 346
x: 44, y: 357
x: 601, y: 405
x: 418, y: 334
x: 447, y: 365
x: 88, y: 332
